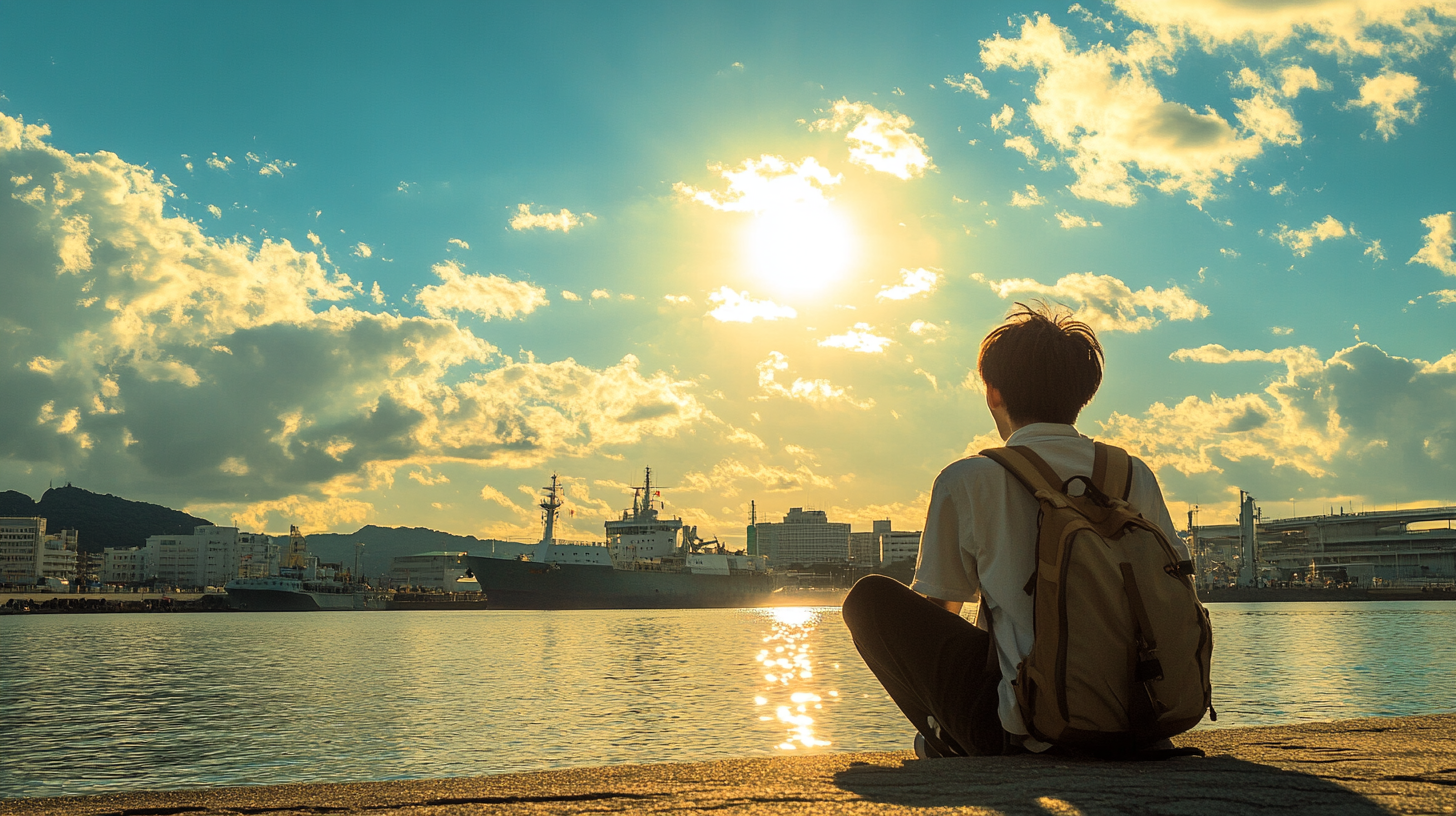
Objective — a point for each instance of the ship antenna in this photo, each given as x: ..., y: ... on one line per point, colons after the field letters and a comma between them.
x: 549, y: 506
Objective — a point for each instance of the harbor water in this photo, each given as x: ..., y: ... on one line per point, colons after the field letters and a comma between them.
x: 103, y: 703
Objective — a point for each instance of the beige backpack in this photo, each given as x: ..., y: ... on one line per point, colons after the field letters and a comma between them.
x: 1122, y: 649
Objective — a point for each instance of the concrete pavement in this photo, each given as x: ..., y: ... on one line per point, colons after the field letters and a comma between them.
x: 1372, y: 766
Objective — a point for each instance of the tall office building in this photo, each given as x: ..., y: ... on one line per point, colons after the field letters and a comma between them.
x: 803, y: 537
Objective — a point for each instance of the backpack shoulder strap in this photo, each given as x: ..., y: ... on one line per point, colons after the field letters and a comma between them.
x: 1027, y: 466
x: 1112, y: 470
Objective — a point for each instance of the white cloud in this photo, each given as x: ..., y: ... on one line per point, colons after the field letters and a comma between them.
x: 363, y: 250
x: 926, y: 331
x: 600, y: 294
x: 1436, y: 250
x: 1295, y: 78
x: 677, y: 298
x: 212, y: 352
x: 723, y: 479
x: 219, y: 163
x: 1374, y: 250
x: 1070, y: 221
x: 861, y: 338
x: 569, y: 295
x: 564, y: 221
x: 1099, y: 106
x: 215, y: 210
x: 740, y: 436
x: 912, y: 282
x: 376, y: 294
x: 488, y: 297
x: 459, y: 243
x: 738, y: 307
x: 1106, y: 303
x: 879, y: 140
x: 1445, y: 296
x: 764, y: 184
x: 314, y: 239
x: 1362, y: 421
x: 1268, y: 119
x: 1281, y: 331
x: 1391, y: 98
x: 429, y: 478
x: 1031, y: 198
x: 276, y: 167
x: 1300, y: 241
x: 1342, y: 28
x: 969, y: 83
x: 1002, y: 118
x: 813, y: 392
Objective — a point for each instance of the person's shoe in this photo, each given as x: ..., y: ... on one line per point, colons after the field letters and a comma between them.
x: 923, y: 749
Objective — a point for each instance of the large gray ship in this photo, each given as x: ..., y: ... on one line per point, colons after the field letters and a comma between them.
x: 647, y: 561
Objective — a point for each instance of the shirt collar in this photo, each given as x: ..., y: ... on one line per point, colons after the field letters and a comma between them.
x: 1042, y: 430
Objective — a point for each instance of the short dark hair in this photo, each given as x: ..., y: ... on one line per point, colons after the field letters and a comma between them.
x: 1046, y: 364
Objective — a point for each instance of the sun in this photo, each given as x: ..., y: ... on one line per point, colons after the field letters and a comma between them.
x: 800, y: 249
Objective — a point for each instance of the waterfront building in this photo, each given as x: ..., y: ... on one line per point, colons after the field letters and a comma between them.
x: 803, y: 537
x: 256, y: 556
x: 883, y: 545
x: 430, y: 570
x: 1400, y: 547
x: 208, y: 557
x: 901, y: 545
x: 28, y: 553
x: 125, y: 565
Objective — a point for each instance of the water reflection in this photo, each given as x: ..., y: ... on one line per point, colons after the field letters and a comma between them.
x: 789, y: 688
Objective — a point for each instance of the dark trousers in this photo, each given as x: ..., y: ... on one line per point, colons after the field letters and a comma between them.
x: 932, y: 662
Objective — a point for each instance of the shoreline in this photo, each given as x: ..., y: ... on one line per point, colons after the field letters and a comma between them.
x: 1365, y: 766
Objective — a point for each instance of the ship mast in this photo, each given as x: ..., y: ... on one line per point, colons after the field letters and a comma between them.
x: 549, y: 505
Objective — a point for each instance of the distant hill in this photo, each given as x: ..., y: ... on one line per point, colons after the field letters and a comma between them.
x: 101, y: 520
x: 384, y: 543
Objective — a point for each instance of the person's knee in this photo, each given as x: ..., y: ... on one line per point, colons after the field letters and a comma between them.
x: 867, y: 597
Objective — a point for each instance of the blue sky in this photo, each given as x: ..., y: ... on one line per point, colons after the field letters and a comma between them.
x: 277, y: 267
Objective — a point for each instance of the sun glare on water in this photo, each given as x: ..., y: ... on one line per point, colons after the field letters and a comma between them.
x: 801, y: 249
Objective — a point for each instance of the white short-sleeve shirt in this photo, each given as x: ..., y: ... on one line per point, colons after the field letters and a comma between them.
x: 980, y: 538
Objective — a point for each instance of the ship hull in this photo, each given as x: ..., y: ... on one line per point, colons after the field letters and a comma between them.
x: 510, y: 584
x: 264, y: 600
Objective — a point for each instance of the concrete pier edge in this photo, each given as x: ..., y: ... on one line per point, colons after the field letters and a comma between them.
x: 1403, y: 765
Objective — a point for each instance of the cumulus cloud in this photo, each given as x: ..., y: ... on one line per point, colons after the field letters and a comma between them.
x: 1300, y: 241
x: 968, y: 83
x: 1069, y: 221
x: 738, y: 307
x: 564, y: 221
x: 861, y: 338
x: 1341, y: 28
x: 1362, y: 422
x: 725, y: 477
x: 1391, y: 99
x: 912, y: 282
x: 1031, y: 198
x: 1099, y: 106
x: 215, y: 210
x: 677, y: 298
x: 1002, y: 118
x: 926, y: 331
x: 458, y: 242
x: 493, y: 296
x: 309, y: 514
x: 764, y: 184
x: 569, y: 295
x: 210, y: 367
x: 814, y: 392
x: 1106, y: 303
x: 1295, y: 78
x: 879, y: 140
x: 1436, y: 250
x: 363, y: 250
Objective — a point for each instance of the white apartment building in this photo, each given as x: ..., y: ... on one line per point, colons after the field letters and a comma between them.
x: 431, y: 570
x: 27, y: 553
x: 125, y: 565
x: 899, y: 545
x: 883, y: 545
x: 208, y: 557
x: 803, y: 537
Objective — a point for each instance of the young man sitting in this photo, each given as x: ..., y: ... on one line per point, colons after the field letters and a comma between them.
x: 1040, y: 368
